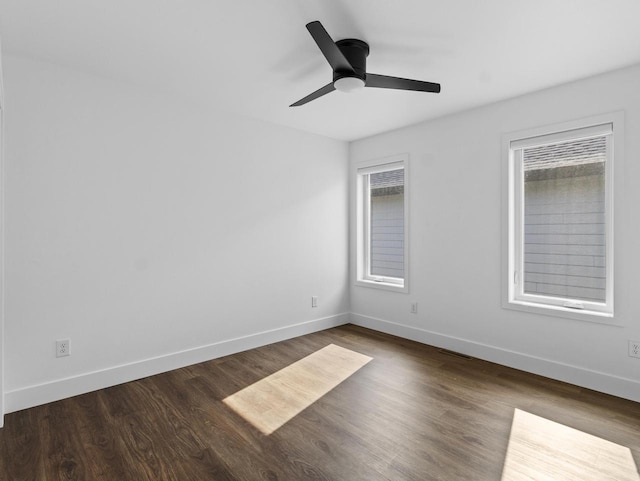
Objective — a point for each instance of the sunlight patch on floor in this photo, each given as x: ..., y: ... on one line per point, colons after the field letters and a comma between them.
x: 274, y: 400
x: 540, y: 449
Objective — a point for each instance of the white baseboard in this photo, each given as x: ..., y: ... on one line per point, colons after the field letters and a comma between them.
x: 30, y: 396
x: 598, y: 381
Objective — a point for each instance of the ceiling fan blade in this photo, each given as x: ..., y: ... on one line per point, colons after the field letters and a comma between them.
x: 317, y: 94
x: 329, y: 49
x: 387, y: 82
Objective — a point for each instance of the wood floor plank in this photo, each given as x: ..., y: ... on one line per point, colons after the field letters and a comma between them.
x: 414, y: 412
x: 230, y: 436
x: 191, y: 450
x: 99, y: 438
x: 65, y: 456
x: 21, y: 446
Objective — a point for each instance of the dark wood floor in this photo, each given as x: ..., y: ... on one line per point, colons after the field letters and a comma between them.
x: 412, y: 413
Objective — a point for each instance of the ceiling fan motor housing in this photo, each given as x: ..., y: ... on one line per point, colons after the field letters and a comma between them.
x: 356, y: 52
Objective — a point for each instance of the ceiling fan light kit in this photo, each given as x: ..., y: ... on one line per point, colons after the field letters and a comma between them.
x: 348, y: 84
x: 348, y: 59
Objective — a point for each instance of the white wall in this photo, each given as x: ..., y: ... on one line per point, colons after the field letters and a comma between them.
x: 456, y: 241
x: 154, y: 234
x: 1, y: 244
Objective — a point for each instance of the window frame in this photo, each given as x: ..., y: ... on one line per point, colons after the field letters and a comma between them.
x: 513, y: 222
x: 362, y: 170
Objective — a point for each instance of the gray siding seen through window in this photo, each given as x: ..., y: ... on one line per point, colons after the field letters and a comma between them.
x: 387, y: 223
x: 564, y: 220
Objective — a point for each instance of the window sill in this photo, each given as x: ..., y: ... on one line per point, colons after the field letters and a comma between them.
x: 387, y: 286
x: 559, y: 311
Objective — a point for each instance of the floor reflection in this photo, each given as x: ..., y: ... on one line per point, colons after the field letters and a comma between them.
x: 540, y: 449
x: 274, y: 400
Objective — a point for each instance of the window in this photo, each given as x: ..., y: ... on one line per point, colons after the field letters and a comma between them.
x: 561, y: 220
x: 382, y: 223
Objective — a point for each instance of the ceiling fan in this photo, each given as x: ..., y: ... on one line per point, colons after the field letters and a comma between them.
x: 348, y: 59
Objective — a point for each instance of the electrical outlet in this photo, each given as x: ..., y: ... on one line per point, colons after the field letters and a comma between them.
x: 63, y: 348
x: 414, y: 308
x: 634, y: 348
x: 314, y: 301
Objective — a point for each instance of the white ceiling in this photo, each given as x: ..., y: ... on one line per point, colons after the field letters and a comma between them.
x: 255, y: 57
